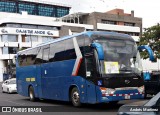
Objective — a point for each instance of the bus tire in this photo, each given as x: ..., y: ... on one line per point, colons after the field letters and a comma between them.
x: 31, y: 94
x: 114, y: 102
x: 75, y: 97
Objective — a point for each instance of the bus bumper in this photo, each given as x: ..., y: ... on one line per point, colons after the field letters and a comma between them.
x: 106, y: 99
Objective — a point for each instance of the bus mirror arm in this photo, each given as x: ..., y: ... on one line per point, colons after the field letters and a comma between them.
x: 150, y: 52
x: 99, y: 49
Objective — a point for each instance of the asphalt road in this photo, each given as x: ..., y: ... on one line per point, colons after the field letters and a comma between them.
x: 59, y: 107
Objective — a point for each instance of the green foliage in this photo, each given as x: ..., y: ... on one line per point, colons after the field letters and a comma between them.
x: 151, y: 37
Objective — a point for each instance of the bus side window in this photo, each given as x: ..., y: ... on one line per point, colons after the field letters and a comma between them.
x: 31, y: 56
x: 57, y: 51
x: 81, y: 43
x: 39, y: 56
x: 45, y: 54
x: 22, y: 59
x: 70, y: 51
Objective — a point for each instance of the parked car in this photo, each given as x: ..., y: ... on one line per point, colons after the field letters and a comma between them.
x: 9, y: 86
x: 151, y: 107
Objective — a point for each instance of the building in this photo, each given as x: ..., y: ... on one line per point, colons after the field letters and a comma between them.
x: 34, y: 7
x: 27, y: 26
x: 115, y: 20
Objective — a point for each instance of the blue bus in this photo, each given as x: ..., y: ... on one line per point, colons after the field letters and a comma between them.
x: 88, y: 67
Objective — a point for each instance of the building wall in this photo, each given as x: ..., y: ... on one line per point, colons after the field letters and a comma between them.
x: 115, y: 15
x: 65, y: 30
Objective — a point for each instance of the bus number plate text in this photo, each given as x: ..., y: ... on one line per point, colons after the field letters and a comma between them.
x: 127, y: 97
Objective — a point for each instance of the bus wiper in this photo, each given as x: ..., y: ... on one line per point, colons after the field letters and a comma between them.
x: 133, y: 72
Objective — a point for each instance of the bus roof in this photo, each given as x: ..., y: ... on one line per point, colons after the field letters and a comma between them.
x: 88, y: 33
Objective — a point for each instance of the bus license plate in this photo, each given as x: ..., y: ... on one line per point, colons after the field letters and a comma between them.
x: 127, y: 97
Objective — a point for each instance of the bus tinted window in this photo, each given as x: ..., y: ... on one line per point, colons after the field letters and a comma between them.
x: 39, y: 56
x: 22, y: 59
x: 28, y: 57
x: 81, y: 42
x: 57, y: 51
x: 45, y: 54
x: 70, y: 51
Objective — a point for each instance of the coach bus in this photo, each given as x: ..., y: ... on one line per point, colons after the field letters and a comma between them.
x: 88, y: 67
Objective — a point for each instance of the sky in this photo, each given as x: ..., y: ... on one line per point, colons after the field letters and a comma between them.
x: 148, y: 10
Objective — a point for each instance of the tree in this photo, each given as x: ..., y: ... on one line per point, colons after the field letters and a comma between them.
x: 151, y: 37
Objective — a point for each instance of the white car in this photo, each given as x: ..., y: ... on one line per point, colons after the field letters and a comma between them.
x: 9, y: 86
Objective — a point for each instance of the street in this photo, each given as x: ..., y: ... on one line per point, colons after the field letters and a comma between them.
x: 60, y: 107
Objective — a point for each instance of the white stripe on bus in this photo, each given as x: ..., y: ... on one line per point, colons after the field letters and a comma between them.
x: 78, y: 59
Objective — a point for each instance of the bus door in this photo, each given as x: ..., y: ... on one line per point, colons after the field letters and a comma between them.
x: 90, y: 76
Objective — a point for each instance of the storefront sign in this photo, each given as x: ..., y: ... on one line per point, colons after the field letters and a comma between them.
x: 25, y: 31
x: 40, y: 32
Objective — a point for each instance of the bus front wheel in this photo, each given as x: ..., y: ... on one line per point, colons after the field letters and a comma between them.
x: 31, y: 94
x: 75, y: 97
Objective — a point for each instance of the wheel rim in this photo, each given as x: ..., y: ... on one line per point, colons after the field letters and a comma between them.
x: 75, y: 97
x: 31, y: 95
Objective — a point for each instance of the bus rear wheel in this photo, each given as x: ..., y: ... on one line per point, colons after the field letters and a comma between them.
x: 31, y: 94
x: 75, y: 97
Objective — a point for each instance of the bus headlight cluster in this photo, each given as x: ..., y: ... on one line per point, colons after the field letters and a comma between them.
x: 141, y: 89
x: 106, y: 91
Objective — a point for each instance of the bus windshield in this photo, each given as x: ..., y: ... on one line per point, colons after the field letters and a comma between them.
x: 120, y: 56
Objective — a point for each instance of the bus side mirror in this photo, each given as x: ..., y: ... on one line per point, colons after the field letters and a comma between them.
x: 99, y: 49
x: 150, y: 52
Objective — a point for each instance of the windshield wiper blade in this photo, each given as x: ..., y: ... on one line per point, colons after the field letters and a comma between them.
x: 133, y: 72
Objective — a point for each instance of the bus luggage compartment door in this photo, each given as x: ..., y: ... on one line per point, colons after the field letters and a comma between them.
x: 91, y: 92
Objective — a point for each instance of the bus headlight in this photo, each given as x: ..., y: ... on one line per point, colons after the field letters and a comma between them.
x: 107, y: 91
x: 141, y: 89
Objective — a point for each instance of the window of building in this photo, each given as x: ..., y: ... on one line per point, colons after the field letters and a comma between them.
x: 17, y: 6
x: 46, y: 10
x: 13, y: 50
x: 9, y: 50
x: 9, y: 38
x: 7, y: 6
x: 34, y: 38
x: 14, y: 25
x: 31, y: 38
x: 29, y: 7
x: 109, y: 22
x: 5, y: 50
x: 129, y: 24
x: 62, y: 11
x: 45, y: 27
x: 46, y: 38
x: 29, y: 26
